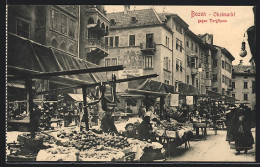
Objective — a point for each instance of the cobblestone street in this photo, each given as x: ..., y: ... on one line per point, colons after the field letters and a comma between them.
x: 214, y: 148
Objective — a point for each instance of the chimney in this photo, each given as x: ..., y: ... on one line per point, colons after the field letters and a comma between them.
x: 126, y: 8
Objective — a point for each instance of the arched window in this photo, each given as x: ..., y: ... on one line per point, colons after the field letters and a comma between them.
x: 54, y: 43
x: 71, y: 49
x: 63, y: 45
x: 90, y: 21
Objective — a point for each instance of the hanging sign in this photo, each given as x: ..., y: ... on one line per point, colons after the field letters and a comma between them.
x: 189, y: 100
x: 174, y: 100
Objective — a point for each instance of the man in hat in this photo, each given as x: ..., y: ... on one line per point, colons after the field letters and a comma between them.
x: 107, y: 122
x: 130, y: 131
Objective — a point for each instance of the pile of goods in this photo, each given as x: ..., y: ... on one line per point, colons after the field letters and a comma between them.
x: 45, y: 119
x: 172, y: 127
x: 86, y: 140
x: 41, y: 137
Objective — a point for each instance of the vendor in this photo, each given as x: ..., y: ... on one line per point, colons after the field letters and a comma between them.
x: 145, y: 130
x: 107, y: 123
x: 130, y: 131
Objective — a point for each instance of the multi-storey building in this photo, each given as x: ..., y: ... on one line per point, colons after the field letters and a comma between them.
x: 94, y: 25
x: 243, y: 84
x: 221, y: 67
x: 143, y: 43
x: 58, y: 27
x: 179, y: 27
x: 51, y: 25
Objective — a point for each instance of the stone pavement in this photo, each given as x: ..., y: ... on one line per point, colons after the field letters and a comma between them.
x: 215, y: 148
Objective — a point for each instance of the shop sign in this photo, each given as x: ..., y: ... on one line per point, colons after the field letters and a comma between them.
x: 133, y: 72
x: 189, y: 100
x: 174, y: 100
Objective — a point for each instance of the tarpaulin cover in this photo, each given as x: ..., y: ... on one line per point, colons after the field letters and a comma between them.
x: 29, y: 55
x: 186, y: 89
x: 150, y: 85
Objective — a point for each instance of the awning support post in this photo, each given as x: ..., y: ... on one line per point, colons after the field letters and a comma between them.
x: 33, y: 126
x: 161, y: 106
x: 85, y: 106
x: 146, y: 102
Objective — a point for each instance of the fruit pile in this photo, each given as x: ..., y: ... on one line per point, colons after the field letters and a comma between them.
x: 172, y: 127
x: 38, y: 136
x: 86, y: 140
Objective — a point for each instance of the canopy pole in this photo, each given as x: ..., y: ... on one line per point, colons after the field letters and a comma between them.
x: 28, y: 85
x: 85, y: 108
x: 161, y: 106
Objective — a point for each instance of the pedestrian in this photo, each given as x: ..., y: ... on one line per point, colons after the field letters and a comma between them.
x: 229, y: 123
x: 242, y: 132
x: 130, y: 131
x: 107, y: 123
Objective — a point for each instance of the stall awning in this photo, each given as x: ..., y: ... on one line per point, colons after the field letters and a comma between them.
x: 26, y: 55
x: 213, y: 94
x: 151, y: 86
x: 187, y: 90
x: 76, y: 97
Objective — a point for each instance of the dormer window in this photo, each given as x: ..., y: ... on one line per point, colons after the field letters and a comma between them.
x: 112, y: 21
x: 133, y: 20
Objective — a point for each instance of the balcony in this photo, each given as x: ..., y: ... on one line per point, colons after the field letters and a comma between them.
x: 194, y: 71
x: 148, y: 47
x: 96, y: 47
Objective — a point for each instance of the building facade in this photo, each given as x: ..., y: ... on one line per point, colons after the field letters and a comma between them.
x: 243, y: 85
x: 221, y: 66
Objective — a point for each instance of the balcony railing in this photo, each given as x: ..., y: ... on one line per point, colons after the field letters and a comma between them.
x: 148, y: 46
x: 95, y: 43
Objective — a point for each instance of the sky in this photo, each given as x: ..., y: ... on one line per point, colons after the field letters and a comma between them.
x: 229, y: 34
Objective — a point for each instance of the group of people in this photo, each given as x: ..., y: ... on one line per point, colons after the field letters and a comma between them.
x: 239, y: 122
x: 141, y: 131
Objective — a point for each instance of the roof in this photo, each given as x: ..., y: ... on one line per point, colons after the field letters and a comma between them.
x: 175, y: 17
x: 27, y: 55
x: 144, y: 17
x: 243, y: 69
x: 225, y: 52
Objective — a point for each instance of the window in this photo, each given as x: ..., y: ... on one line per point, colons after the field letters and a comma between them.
x: 245, y: 77
x: 206, y: 59
x: 188, y: 79
x: 111, y: 41
x: 253, y: 87
x: 245, y: 97
x: 178, y: 44
x: 197, y: 82
x: 233, y: 77
x: 72, y: 28
x: 223, y: 79
x: 23, y: 28
x: 106, y: 41
x: 177, y: 65
x: 54, y: 19
x: 71, y: 49
x: 196, y: 48
x: 116, y: 41
x: 193, y: 62
x: 107, y: 62
x: 207, y: 75
x: 245, y: 85
x: 188, y: 61
x: 233, y: 85
x: 214, y: 77
x: 178, y: 28
x: 112, y: 21
x: 215, y: 62
x: 180, y: 66
x: 191, y: 45
x: 167, y: 81
x: 54, y: 43
x: 114, y: 62
x: 63, y: 45
x: 223, y: 64
x: 187, y: 43
x: 148, y: 62
x: 234, y: 95
x: 131, y: 40
x: 63, y: 24
x: 215, y: 89
x: 166, y: 41
x: 166, y: 65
